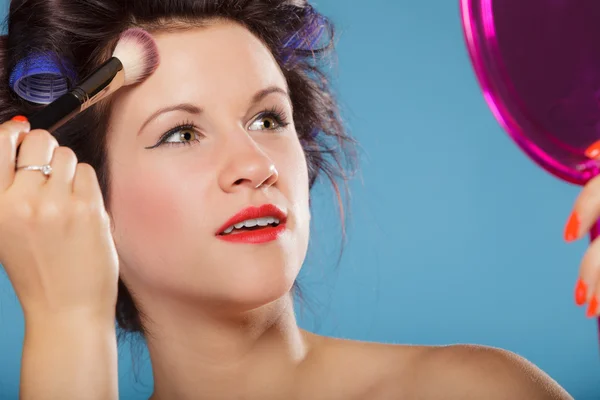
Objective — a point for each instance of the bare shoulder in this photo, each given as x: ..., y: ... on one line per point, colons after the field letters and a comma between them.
x: 476, y: 372
x: 350, y: 369
x: 387, y: 371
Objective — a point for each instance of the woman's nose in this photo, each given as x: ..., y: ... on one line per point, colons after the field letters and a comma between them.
x: 248, y: 165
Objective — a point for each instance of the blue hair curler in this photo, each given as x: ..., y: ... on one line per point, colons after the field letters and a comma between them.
x: 41, y: 78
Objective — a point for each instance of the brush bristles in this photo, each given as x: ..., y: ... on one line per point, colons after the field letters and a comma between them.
x: 138, y: 53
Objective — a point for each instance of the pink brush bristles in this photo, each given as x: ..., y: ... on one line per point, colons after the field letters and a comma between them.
x: 138, y: 53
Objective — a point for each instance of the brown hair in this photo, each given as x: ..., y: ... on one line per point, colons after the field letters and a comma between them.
x: 82, y: 34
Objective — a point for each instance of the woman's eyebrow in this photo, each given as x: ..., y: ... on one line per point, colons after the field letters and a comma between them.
x: 267, y: 91
x: 186, y: 107
x: 193, y: 109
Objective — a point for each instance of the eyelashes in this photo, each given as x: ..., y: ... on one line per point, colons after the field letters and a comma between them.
x: 277, y: 117
x: 272, y: 119
x: 185, y: 129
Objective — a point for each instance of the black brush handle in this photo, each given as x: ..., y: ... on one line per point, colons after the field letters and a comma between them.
x: 57, y: 113
x: 93, y: 87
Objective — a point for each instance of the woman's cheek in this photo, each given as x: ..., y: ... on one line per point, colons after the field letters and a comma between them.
x: 147, y: 208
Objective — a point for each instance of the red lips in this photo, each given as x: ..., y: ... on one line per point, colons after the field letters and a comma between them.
x: 261, y: 235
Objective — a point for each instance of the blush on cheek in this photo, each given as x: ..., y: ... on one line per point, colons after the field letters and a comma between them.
x: 148, y: 222
x: 145, y: 210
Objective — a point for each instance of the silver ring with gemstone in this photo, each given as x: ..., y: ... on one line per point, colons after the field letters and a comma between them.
x: 44, y: 169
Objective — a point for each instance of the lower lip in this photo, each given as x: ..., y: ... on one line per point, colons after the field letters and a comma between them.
x: 259, y: 236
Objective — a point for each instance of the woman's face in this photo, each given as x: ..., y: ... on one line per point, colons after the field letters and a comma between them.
x: 219, y: 103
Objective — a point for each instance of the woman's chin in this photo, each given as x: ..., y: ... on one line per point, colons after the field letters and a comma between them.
x: 251, y: 294
x: 250, y: 283
x: 234, y: 286
x: 238, y: 294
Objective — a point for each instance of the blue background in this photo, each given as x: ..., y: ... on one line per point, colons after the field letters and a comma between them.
x: 455, y: 236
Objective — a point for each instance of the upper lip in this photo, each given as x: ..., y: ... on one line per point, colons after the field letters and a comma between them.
x: 266, y: 210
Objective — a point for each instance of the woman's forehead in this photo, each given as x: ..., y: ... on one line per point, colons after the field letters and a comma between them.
x: 210, y: 65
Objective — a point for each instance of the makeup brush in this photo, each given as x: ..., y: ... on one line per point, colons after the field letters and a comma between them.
x: 134, y: 59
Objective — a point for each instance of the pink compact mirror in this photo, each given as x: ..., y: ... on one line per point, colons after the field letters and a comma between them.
x: 538, y: 64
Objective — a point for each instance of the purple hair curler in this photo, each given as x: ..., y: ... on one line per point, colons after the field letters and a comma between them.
x: 538, y: 64
x: 307, y: 39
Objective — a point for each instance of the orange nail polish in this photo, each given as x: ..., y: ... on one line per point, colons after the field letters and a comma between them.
x: 572, y: 228
x: 593, y: 307
x: 580, y: 292
x: 19, y: 118
x: 593, y: 151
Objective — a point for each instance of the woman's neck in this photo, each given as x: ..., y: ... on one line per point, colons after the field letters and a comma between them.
x: 197, y: 355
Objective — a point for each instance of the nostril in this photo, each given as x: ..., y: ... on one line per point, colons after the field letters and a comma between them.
x: 238, y: 182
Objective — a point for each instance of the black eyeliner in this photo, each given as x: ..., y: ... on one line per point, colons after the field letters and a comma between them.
x: 172, y: 131
x: 278, y: 114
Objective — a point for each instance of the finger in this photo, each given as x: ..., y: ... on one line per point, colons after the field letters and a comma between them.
x: 64, y: 165
x: 85, y: 185
x: 589, y: 274
x: 593, y: 310
x: 37, y: 149
x: 586, y: 211
x: 587, y: 289
x: 12, y: 134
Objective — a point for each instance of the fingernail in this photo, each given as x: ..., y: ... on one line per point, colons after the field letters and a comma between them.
x: 572, y: 228
x: 19, y: 118
x: 593, y: 151
x: 593, y: 308
x: 580, y: 292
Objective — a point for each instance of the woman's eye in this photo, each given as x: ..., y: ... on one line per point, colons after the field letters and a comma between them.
x: 264, y: 123
x: 182, y: 136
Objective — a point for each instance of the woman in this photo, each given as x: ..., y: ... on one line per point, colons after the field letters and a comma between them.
x: 238, y: 120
